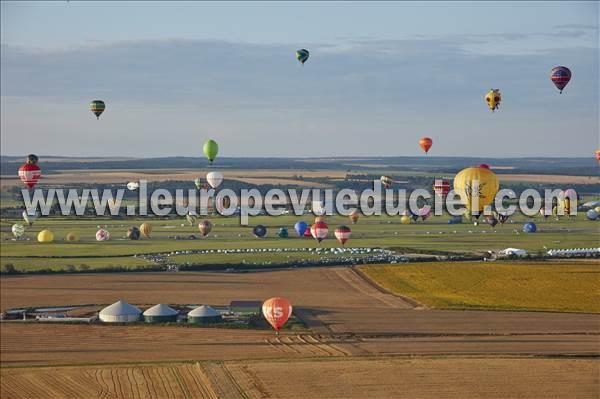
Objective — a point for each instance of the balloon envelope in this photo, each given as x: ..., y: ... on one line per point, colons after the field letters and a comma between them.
x: 477, y: 187
x: 133, y: 233
x: 30, y: 173
x: 560, y: 76
x: 319, y: 231
x: 102, y: 235
x: 45, y: 236
x: 441, y: 187
x: 205, y: 227
x: 97, y: 107
x: 425, y: 144
x: 282, y: 233
x: 300, y: 228
x: 302, y: 55
x: 386, y: 181
x: 343, y: 234
x: 529, y: 227
x: 133, y: 185
x: 591, y: 215
x: 354, y: 217
x: 493, y: 99
x: 30, y: 215
x: 214, y: 179
x: 18, y: 230
x: 210, y: 148
x: 146, y: 229
x: 277, y: 311
x: 259, y: 231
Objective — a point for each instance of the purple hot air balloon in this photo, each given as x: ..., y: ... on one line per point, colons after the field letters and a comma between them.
x: 560, y: 76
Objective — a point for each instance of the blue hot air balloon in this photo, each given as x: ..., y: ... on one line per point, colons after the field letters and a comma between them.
x: 529, y: 227
x: 300, y: 228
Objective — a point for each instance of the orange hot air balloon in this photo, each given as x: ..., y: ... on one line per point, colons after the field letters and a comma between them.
x: 277, y: 311
x: 597, y: 155
x: 426, y: 144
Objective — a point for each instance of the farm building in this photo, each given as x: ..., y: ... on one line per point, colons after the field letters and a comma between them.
x: 204, y: 315
x: 246, y: 307
x: 120, y: 312
x: 160, y: 313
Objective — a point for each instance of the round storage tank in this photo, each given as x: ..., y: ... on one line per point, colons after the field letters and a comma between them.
x: 120, y: 312
x: 204, y: 315
x: 160, y: 313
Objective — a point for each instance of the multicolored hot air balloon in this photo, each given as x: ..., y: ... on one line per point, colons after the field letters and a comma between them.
x: 97, y: 107
x: 259, y: 231
x: 343, y: 234
x: 441, y: 187
x: 302, y: 55
x: 319, y: 231
x: 45, y: 236
x: 560, y: 76
x: 300, y: 227
x: 493, y: 99
x: 386, y: 181
x: 211, y: 149
x: 146, y: 229
x: 30, y: 172
x: 18, y: 230
x: 133, y: 233
x: 102, y: 235
x: 354, y: 216
x: 425, y: 143
x: 205, y: 227
x: 214, y: 179
x: 277, y: 311
x: 476, y: 185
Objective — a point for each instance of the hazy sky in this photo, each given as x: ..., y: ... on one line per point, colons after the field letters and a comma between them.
x: 380, y: 76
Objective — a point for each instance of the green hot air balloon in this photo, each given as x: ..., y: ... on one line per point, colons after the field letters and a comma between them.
x: 97, y: 107
x: 302, y: 55
x: 211, y: 148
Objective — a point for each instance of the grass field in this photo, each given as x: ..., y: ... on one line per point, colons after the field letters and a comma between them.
x: 556, y: 286
x: 433, y: 236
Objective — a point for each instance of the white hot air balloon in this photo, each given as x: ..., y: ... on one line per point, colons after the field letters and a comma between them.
x: 214, y: 179
x: 30, y: 215
x: 133, y: 185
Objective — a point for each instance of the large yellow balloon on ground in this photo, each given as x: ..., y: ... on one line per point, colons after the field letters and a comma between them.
x: 146, y: 229
x: 405, y: 219
x: 476, y: 187
x: 45, y: 236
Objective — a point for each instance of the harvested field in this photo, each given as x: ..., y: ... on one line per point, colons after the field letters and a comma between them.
x: 556, y: 179
x: 347, y: 378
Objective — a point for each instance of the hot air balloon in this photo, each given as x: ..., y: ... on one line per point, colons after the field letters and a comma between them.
x: 386, y: 181
x: 483, y: 165
x: 277, y: 311
x: 591, y: 215
x: 102, y: 235
x: 30, y: 215
x: 30, y: 172
x: 492, y: 221
x: 354, y: 216
x: 222, y: 202
x: 259, y: 231
x: 424, y: 213
x: 71, y: 237
x: 133, y: 233
x: 441, y: 187
x: 560, y: 76
x: 502, y: 217
x: 97, y: 107
x: 300, y: 227
x: 199, y: 184
x: 319, y: 231
x: 146, y: 229
x: 205, y: 227
x: 302, y: 55
x: 18, y: 230
x: 283, y: 232
x: 45, y: 236
x: 307, y: 233
x: 210, y: 148
x: 405, y: 219
x: 483, y: 180
x: 214, y: 179
x: 133, y: 185
x: 529, y: 227
x: 597, y: 154
x: 191, y: 218
x: 343, y: 234
x: 493, y: 99
x: 320, y: 218
x: 425, y: 143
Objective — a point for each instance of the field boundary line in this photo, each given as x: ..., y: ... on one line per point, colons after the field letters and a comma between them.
x: 413, y: 302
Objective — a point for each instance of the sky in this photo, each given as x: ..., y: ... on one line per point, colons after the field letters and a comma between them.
x: 380, y: 76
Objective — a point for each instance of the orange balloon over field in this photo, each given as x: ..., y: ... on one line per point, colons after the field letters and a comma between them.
x: 598, y: 155
x: 277, y: 311
x: 426, y: 144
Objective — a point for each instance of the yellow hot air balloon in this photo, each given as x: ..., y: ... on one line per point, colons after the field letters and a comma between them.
x: 45, y: 236
x: 477, y: 187
x: 493, y: 98
x: 146, y: 229
x: 405, y: 219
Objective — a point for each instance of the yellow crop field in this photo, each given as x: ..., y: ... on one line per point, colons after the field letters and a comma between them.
x: 553, y: 286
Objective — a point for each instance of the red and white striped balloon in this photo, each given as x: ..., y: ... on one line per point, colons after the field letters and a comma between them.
x: 102, y: 235
x: 343, y: 234
x: 441, y: 187
x: 29, y: 174
x: 319, y: 231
